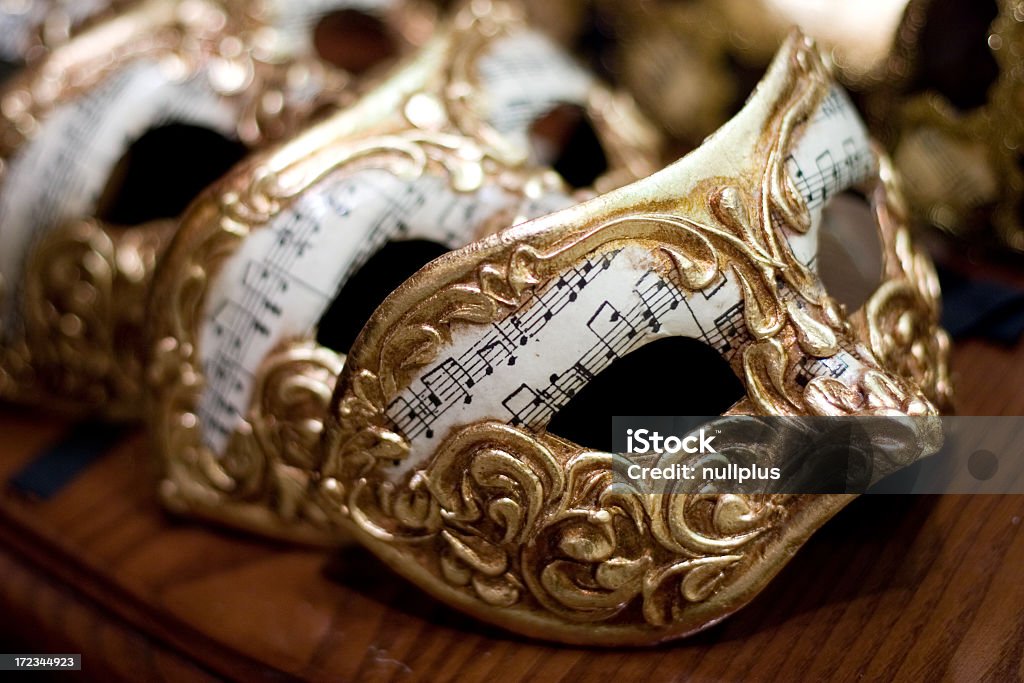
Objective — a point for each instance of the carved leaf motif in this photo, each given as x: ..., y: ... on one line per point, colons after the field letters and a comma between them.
x: 507, y: 514
x: 385, y: 444
x: 495, y: 284
x: 618, y: 573
x: 480, y: 555
x: 420, y: 345
x: 761, y: 309
x: 365, y: 397
x: 728, y: 206
x: 734, y: 515
x: 765, y: 364
x: 696, y: 261
x: 497, y: 591
x: 701, y: 582
x: 416, y: 509
x: 660, y: 602
x: 532, y: 477
x: 816, y: 338
x: 674, y: 525
x: 573, y: 586
x: 586, y: 541
x: 829, y: 396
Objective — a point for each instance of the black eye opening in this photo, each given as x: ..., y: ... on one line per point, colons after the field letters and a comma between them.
x: 359, y: 297
x: 566, y: 140
x: 353, y: 40
x: 668, y: 376
x: 163, y: 171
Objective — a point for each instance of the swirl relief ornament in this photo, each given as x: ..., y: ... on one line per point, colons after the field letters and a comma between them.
x: 529, y: 531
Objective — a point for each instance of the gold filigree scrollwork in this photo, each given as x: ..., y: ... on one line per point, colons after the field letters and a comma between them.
x: 85, y: 281
x: 423, y: 121
x: 263, y: 482
x: 529, y: 531
x: 900, y: 321
x: 84, y: 302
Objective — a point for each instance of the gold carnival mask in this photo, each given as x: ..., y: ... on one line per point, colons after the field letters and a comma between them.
x: 28, y: 28
x: 950, y: 112
x: 185, y: 86
x: 267, y: 263
x: 941, y: 82
x: 692, y: 64
x: 436, y: 450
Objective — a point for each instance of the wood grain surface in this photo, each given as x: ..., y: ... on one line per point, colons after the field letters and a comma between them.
x: 894, y: 588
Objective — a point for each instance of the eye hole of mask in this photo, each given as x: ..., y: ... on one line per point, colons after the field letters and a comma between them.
x: 669, y: 376
x: 7, y: 69
x: 955, y: 57
x: 163, y: 171
x: 353, y: 40
x: 357, y: 299
x: 565, y: 139
x: 849, y: 250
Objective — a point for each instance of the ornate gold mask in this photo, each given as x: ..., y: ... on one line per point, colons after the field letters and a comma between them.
x: 73, y: 274
x: 950, y: 112
x: 435, y: 451
x: 30, y: 27
x: 440, y: 151
x: 941, y: 81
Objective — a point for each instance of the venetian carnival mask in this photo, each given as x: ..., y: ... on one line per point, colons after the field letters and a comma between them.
x: 950, y: 112
x: 436, y: 451
x: 105, y: 140
x: 433, y: 446
x: 263, y: 288
x: 28, y: 28
x: 940, y: 81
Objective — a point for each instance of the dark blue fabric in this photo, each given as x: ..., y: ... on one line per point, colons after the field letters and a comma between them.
x: 973, y: 307
x: 59, y: 464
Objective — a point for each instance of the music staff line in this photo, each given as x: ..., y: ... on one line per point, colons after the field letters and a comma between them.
x: 238, y: 322
x: 828, y: 177
x: 416, y: 410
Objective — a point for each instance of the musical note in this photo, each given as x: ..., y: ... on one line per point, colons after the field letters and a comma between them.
x: 59, y: 173
x: 576, y: 324
x: 526, y: 76
x: 285, y: 276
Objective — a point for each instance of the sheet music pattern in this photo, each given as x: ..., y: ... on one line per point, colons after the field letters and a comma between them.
x: 19, y: 19
x: 607, y: 322
x: 524, y: 368
x: 525, y: 75
x: 834, y: 155
x: 283, y: 278
x: 60, y: 173
x: 295, y: 20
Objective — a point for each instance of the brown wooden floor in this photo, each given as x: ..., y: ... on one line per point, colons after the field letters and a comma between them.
x: 911, y: 588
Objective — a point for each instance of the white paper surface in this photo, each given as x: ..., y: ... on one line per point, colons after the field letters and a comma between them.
x: 283, y: 278
x: 59, y: 174
x: 523, y: 369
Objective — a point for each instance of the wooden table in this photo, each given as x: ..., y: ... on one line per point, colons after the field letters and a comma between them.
x: 911, y: 588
